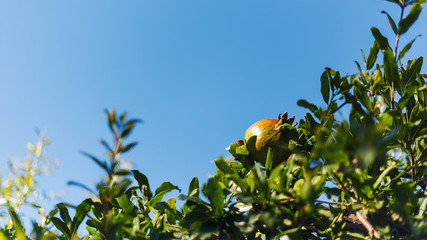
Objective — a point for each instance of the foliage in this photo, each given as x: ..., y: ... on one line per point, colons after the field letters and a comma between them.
x: 360, y: 178
x: 20, y: 188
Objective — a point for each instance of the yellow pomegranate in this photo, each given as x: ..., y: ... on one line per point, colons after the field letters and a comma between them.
x: 269, y: 133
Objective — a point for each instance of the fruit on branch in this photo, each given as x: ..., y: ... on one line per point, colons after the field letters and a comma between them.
x: 270, y: 133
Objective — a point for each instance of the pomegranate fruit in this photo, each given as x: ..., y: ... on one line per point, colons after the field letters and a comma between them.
x: 269, y: 133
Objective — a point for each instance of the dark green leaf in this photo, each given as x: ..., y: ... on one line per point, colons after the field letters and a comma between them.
x: 63, y: 211
x: 81, y: 185
x: 391, y: 22
x: 407, y: 47
x: 324, y: 79
x: 305, y: 104
x: 61, y: 226
x: 414, y: 69
x: 193, y: 189
x: 361, y: 94
x: 409, y: 19
x: 81, y: 212
x: 373, y: 53
x: 390, y: 68
x: 102, y: 164
x: 143, y: 184
x: 128, y: 147
x: 381, y: 40
x: 269, y: 161
x: 111, y: 116
x: 105, y: 144
x: 122, y: 172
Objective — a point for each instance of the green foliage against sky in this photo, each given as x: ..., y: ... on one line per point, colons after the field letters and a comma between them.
x: 363, y: 177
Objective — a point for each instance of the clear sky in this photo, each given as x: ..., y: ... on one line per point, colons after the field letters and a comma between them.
x: 198, y: 73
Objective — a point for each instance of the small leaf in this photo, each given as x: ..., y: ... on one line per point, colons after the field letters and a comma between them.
x: 143, y: 184
x: 305, y: 104
x: 414, y: 69
x: 391, y: 22
x: 122, y: 172
x: 102, y: 164
x: 269, y: 161
x: 81, y: 185
x: 360, y: 93
x: 193, y: 189
x: 111, y: 116
x: 383, y: 175
x: 166, y: 187
x: 128, y: 147
x: 373, y: 53
x: 324, y: 79
x: 407, y: 47
x: 223, y: 166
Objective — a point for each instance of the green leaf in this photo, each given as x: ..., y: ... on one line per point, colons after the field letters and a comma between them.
x: 193, y: 189
x: 111, y: 116
x: 81, y: 212
x: 143, y: 184
x: 161, y: 192
x: 360, y: 93
x: 409, y: 19
x: 223, y: 166
x: 324, y: 88
x: 373, y: 53
x: 390, y: 68
x: 391, y: 22
x: 195, y: 200
x: 261, y: 182
x: 166, y: 187
x: 407, y: 47
x: 383, y: 175
x: 414, y: 69
x: 102, y: 164
x: 305, y: 104
x: 122, y: 172
x: 63, y: 212
x: 129, y: 126
x: 15, y: 219
x: 128, y: 147
x: 61, y: 226
x: 125, y: 203
x: 381, y: 40
x: 214, y: 192
x: 269, y: 161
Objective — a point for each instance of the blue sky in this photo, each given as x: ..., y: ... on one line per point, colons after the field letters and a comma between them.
x: 198, y: 73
